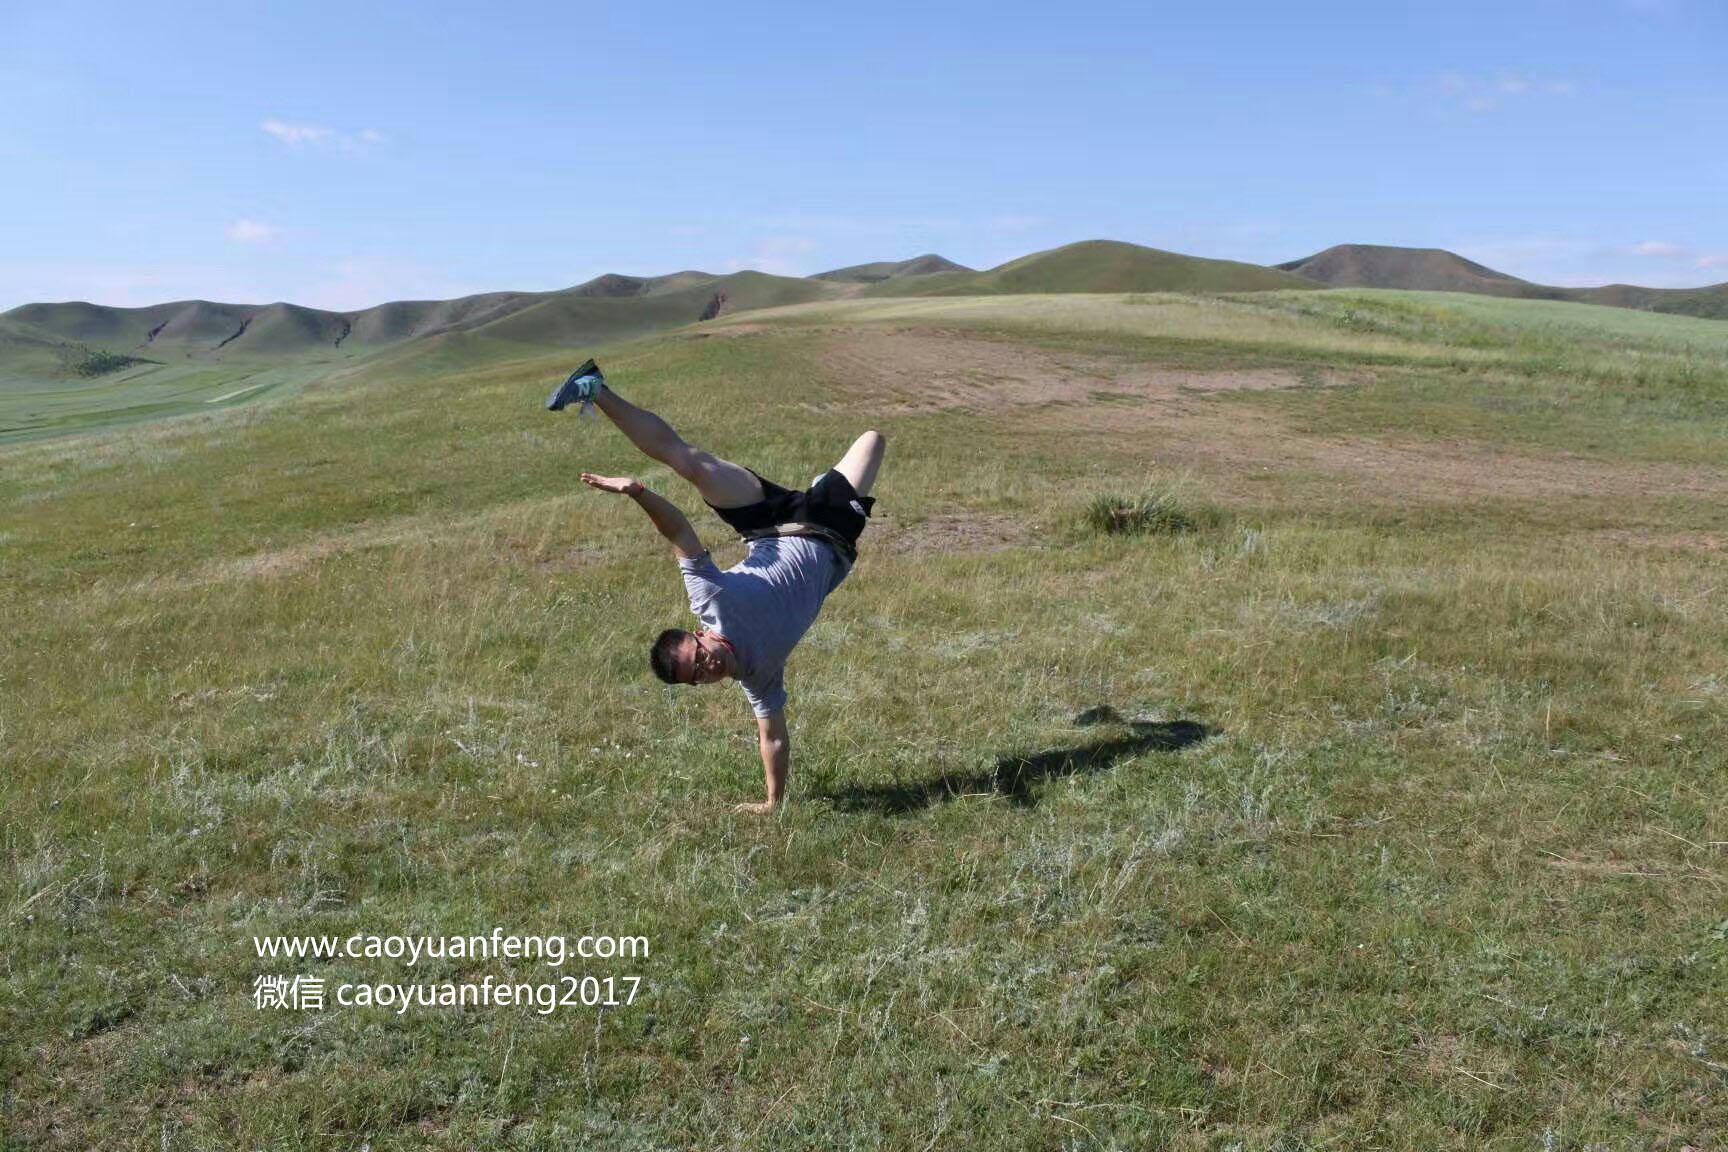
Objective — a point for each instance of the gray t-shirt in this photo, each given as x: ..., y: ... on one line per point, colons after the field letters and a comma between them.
x: 764, y: 606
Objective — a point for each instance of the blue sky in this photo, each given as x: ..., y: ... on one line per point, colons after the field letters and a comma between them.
x: 344, y: 155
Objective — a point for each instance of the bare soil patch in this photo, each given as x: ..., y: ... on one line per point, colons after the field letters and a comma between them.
x: 725, y: 331
x: 903, y: 371
x: 952, y: 532
x: 1173, y: 416
x: 1238, y: 443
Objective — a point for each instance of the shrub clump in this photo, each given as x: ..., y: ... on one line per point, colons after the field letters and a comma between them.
x: 1156, y: 513
x: 85, y: 361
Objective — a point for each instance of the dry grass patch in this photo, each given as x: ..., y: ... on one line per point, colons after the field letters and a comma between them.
x: 950, y: 532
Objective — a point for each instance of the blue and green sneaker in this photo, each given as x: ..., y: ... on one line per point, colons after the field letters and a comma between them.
x: 584, y: 384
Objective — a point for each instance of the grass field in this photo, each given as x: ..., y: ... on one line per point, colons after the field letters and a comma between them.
x: 1406, y: 826
x: 38, y: 408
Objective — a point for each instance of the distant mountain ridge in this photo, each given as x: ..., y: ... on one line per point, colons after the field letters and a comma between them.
x: 616, y: 306
x: 607, y: 307
x: 70, y: 367
x: 1437, y: 270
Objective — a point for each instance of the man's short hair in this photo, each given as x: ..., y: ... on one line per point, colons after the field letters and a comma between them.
x: 663, y: 657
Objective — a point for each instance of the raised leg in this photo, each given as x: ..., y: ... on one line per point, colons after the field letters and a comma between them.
x: 721, y: 482
x: 861, y: 461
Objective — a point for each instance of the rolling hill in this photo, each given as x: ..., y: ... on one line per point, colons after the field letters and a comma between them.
x: 578, y: 317
x: 1415, y: 269
x: 1437, y: 270
x: 1097, y: 266
x: 616, y: 306
x: 1709, y: 303
x: 607, y: 307
x: 75, y: 365
x: 926, y: 265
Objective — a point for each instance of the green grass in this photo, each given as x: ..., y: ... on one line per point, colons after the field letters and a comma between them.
x: 1446, y: 869
x: 44, y: 406
x: 1161, y: 512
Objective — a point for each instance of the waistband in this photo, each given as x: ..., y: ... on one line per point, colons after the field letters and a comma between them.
x: 848, y: 554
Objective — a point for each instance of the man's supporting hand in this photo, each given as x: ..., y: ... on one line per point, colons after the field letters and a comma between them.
x: 775, y: 744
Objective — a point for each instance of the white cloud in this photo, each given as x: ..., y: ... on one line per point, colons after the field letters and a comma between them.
x: 301, y: 135
x: 252, y: 232
x: 1483, y: 93
x: 349, y: 143
x: 1680, y: 254
x: 294, y: 135
x: 1589, y: 263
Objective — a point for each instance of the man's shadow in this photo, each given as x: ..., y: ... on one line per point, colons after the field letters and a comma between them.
x: 1014, y: 777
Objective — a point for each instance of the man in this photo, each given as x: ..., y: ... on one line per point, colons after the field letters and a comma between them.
x: 802, y: 545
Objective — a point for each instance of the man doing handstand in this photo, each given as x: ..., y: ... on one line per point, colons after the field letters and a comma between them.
x: 802, y: 545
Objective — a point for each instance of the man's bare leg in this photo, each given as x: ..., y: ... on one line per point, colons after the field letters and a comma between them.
x: 721, y: 482
x: 861, y: 461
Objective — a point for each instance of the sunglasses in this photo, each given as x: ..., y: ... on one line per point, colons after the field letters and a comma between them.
x: 701, y: 660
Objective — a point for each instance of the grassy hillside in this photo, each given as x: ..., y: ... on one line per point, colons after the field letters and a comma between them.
x: 1412, y: 269
x: 1436, y: 270
x: 411, y: 319
x: 1707, y: 303
x: 199, y: 328
x: 190, y: 355
x: 925, y: 265
x: 577, y: 320
x: 1372, y: 797
x: 26, y: 350
x: 172, y: 359
x: 1096, y: 266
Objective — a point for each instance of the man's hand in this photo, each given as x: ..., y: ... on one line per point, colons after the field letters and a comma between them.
x: 670, y: 522
x: 623, y: 485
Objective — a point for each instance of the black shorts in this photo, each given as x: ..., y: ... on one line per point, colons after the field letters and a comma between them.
x: 831, y: 502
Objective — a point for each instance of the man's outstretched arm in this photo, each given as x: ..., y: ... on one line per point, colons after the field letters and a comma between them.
x: 776, y: 746
x: 672, y: 523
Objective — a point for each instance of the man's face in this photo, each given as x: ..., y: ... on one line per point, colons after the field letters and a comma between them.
x: 701, y: 659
